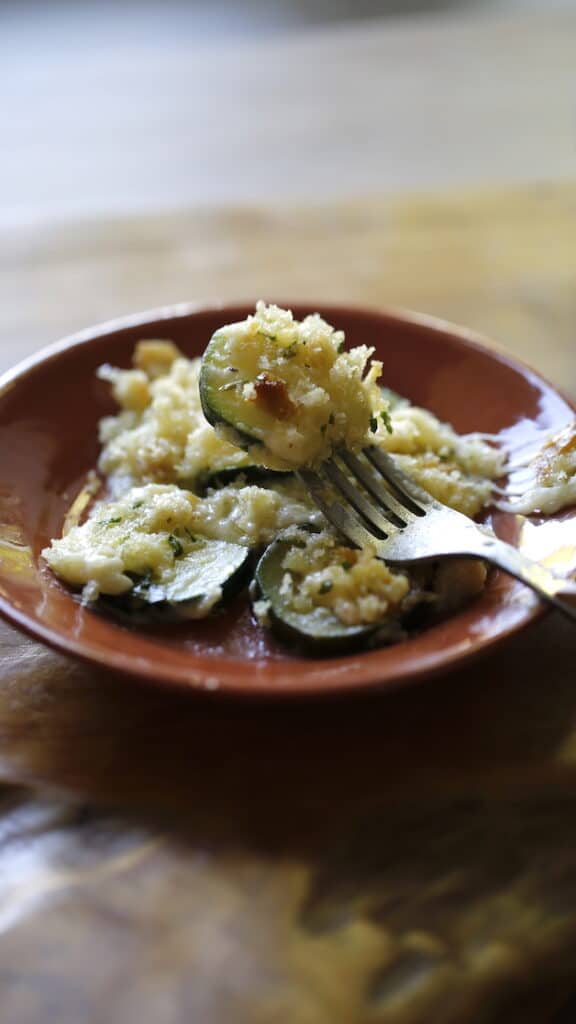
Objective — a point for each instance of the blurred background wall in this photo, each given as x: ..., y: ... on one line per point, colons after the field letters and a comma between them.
x: 108, y: 105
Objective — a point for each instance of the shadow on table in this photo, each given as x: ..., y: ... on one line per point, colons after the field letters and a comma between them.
x: 502, y: 723
x: 418, y: 845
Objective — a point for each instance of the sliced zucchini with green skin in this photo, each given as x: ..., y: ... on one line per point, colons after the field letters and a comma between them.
x: 220, y: 404
x: 286, y: 391
x: 212, y: 572
x: 252, y: 474
x: 320, y: 630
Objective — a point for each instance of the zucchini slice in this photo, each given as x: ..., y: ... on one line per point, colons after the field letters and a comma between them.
x: 251, y: 473
x: 318, y: 630
x: 147, y: 552
x: 285, y: 391
x: 213, y: 571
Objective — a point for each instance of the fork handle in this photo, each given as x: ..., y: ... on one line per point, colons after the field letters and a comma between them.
x: 561, y: 593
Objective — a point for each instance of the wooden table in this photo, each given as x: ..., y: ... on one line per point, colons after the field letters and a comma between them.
x: 404, y: 859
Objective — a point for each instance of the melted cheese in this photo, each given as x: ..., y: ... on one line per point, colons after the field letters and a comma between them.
x: 138, y: 533
x: 354, y: 585
x: 549, y: 481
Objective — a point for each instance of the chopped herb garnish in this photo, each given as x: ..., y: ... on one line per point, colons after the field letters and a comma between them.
x: 175, y: 545
x: 340, y: 346
x: 137, y: 504
x: 232, y: 369
x: 373, y: 424
x: 346, y: 565
x: 326, y: 587
x: 271, y: 337
x: 290, y: 351
x: 385, y: 417
x: 110, y: 522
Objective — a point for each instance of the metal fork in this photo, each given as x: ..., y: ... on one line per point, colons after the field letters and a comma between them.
x: 370, y: 500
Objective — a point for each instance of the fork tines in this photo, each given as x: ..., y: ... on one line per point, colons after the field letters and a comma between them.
x: 365, y: 496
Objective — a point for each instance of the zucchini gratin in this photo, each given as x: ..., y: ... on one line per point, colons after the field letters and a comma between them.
x: 202, y: 498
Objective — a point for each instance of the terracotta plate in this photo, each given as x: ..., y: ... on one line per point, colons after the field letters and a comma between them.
x: 49, y: 410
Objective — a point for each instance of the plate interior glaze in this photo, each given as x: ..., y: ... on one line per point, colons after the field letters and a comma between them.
x: 49, y: 410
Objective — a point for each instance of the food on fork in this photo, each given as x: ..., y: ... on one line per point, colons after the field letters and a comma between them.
x: 286, y: 391
x: 186, y: 513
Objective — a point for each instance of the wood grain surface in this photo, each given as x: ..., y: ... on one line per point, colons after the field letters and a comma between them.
x: 410, y: 858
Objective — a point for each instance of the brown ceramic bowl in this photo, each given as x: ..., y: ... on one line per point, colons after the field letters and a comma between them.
x: 49, y: 409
